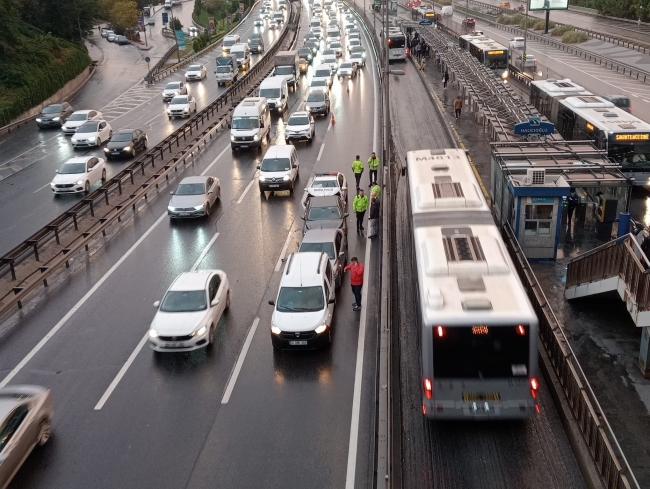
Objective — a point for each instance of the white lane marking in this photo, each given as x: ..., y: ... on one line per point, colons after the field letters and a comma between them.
x: 240, y: 362
x: 329, y: 126
x: 41, y: 188
x: 283, y: 253
x: 207, y: 169
x: 358, y: 372
x: 121, y: 373
x: 204, y: 252
x: 80, y: 303
x: 248, y: 187
x: 41, y: 144
x: 320, y: 153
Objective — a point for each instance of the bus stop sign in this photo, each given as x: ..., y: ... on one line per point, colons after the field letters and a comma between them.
x: 534, y: 125
x: 165, y: 17
x: 425, y: 22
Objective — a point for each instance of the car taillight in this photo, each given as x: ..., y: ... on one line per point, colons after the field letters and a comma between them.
x: 428, y: 388
x: 407, y: 52
x: 440, y: 331
x: 521, y: 330
x: 629, y: 109
x: 534, y: 385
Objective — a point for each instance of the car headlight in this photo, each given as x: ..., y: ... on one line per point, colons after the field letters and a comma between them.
x: 171, y: 209
x: 169, y: 111
x: 52, y: 185
x: 153, y: 333
x: 364, y: 55
x: 56, y: 119
x: 106, y: 150
x: 262, y: 178
x: 80, y: 182
x: 186, y: 110
x: 275, y: 329
x: 321, y: 329
x: 504, y: 74
x: 198, y: 207
x: 285, y: 178
x: 126, y: 148
x: 201, y: 331
x: 232, y: 138
x: 256, y: 137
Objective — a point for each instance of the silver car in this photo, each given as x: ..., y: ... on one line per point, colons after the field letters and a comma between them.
x: 334, y: 242
x: 194, y: 197
x: 25, y: 421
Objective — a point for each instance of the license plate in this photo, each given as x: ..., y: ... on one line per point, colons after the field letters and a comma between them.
x: 298, y: 343
x: 481, y: 396
x: 115, y: 152
x: 174, y: 344
x: 184, y: 213
x: 244, y: 145
x: 273, y: 186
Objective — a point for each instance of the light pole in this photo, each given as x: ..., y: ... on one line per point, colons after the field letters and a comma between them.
x: 523, y: 58
x: 171, y: 22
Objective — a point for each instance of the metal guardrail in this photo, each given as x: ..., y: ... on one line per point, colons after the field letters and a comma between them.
x: 161, y: 62
x: 80, y: 223
x: 598, y: 435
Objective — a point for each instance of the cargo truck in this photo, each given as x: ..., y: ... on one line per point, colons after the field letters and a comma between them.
x: 287, y: 65
x: 227, y: 70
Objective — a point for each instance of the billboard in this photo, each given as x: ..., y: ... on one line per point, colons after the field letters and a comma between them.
x: 548, y: 5
x: 211, y: 26
x: 180, y: 39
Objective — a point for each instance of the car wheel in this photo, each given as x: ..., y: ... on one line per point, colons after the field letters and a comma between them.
x: 110, y: 135
x: 291, y: 189
x: 109, y: 157
x: 87, y: 188
x: 98, y: 142
x: 219, y: 195
x: 227, y: 301
x: 135, y: 151
x: 329, y: 337
x: 207, y: 210
x: 44, y: 432
x: 103, y: 175
x: 146, y: 142
x: 211, y: 336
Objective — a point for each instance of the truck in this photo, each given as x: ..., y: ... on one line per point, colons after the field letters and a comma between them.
x: 520, y: 66
x: 286, y: 64
x: 227, y: 70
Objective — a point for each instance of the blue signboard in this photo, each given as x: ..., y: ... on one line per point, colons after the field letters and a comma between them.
x: 426, y: 22
x: 535, y: 125
x: 165, y: 16
x: 180, y: 38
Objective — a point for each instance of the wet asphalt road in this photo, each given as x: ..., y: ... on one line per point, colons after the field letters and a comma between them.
x: 287, y: 423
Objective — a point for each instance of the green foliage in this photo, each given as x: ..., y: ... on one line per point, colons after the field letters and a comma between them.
x: 198, y: 6
x: 561, y: 30
x: 175, y: 24
x: 540, y: 25
x: 196, y: 44
x: 71, y: 20
x: 516, y: 19
x: 574, y: 37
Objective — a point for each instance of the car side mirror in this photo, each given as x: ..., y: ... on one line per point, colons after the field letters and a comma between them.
x: 342, y: 253
x: 302, y: 217
x: 210, y: 192
x: 214, y: 303
x: 262, y: 125
x: 156, y: 304
x: 57, y: 171
x: 259, y: 167
x: 271, y: 303
x: 171, y: 193
x: 89, y: 170
x: 294, y: 166
x: 331, y: 301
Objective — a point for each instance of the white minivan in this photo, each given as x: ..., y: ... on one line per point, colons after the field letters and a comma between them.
x: 230, y: 41
x: 276, y: 91
x: 243, y: 53
x: 251, y: 123
x: 448, y: 10
x: 279, y: 169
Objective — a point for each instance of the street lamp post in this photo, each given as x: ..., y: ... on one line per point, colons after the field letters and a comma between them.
x: 171, y: 22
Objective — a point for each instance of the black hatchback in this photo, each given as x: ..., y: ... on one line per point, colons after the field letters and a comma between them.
x: 325, y: 213
x: 256, y: 45
x: 54, y: 115
x: 126, y: 143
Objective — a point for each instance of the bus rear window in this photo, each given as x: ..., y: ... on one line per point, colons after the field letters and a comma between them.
x: 396, y: 42
x: 480, y: 352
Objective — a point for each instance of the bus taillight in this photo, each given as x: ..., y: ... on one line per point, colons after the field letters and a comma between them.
x: 424, y: 409
x: 534, y: 385
x: 441, y: 331
x: 428, y: 388
x: 521, y: 330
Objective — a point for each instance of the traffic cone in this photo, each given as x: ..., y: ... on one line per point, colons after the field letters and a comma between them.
x: 332, y: 120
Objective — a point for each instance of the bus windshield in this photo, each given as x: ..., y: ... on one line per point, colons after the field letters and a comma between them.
x: 630, y: 154
x: 497, y: 61
x: 396, y: 42
x: 481, y: 352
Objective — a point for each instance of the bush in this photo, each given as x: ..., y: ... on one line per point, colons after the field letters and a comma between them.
x: 196, y: 44
x: 561, y: 30
x: 516, y: 19
x: 574, y: 37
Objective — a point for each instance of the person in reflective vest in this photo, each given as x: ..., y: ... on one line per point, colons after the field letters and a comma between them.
x: 373, y: 166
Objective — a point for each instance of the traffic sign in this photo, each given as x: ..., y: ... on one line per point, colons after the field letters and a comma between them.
x: 535, y: 125
x: 165, y: 17
x: 426, y: 22
x: 141, y: 20
x: 180, y: 40
x: 147, y: 59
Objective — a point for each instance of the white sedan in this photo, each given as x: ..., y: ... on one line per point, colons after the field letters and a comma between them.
x: 78, y: 174
x: 187, y: 316
x: 181, y: 106
x: 332, y: 62
x: 195, y: 72
x: 91, y: 133
x: 78, y: 118
x: 347, y: 68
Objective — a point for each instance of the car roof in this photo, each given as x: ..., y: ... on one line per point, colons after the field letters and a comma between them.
x: 193, y: 66
x: 299, y: 113
x: 84, y: 111
x: 78, y: 159
x: 320, y: 235
x: 279, y: 150
x: 198, y: 179
x: 303, y: 269
x: 124, y: 131
x: 191, y: 280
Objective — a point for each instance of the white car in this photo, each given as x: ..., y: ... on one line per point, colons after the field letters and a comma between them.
x: 326, y: 184
x: 300, y: 127
x: 352, y: 43
x: 358, y: 58
x: 91, y: 133
x: 320, y: 84
x: 258, y: 22
x: 78, y: 174
x: 336, y: 47
x: 347, y: 68
x: 181, y: 106
x: 78, y: 118
x: 273, y: 24
x: 172, y: 89
x: 317, y: 32
x: 195, y: 72
x: 332, y: 62
x: 188, y: 315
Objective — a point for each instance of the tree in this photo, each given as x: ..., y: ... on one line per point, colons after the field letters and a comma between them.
x: 175, y: 24
x: 198, y: 6
x: 124, y: 14
x: 71, y: 19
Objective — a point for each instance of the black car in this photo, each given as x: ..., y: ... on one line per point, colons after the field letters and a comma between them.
x: 54, y: 115
x: 325, y: 213
x: 313, y: 45
x: 620, y: 101
x: 256, y: 46
x: 306, y: 53
x: 127, y: 142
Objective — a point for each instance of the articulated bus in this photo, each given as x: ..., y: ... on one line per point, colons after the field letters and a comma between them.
x: 488, y: 52
x: 478, y: 329
x: 397, y: 45
x: 626, y: 138
x: 545, y: 95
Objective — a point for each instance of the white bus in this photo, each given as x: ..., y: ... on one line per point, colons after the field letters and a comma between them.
x: 478, y: 330
x: 545, y: 95
x: 397, y: 45
x: 626, y: 138
x: 489, y: 53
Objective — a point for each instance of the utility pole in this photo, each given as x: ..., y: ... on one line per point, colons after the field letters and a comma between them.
x: 171, y: 22
x: 523, y: 58
x: 386, y: 73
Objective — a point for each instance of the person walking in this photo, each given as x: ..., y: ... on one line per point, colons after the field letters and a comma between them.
x: 445, y: 79
x: 373, y: 166
x: 572, y: 203
x: 423, y: 63
x: 356, y: 281
x: 458, y: 105
x: 359, y: 206
x: 373, y: 217
x: 357, y: 168
x: 375, y: 191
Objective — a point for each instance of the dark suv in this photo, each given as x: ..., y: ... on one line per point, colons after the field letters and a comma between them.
x: 620, y: 101
x: 54, y: 115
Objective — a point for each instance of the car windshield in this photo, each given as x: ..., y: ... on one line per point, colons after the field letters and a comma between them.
x: 303, y: 53
x: 324, y: 184
x: 88, y: 127
x: 190, y: 189
x: 121, y: 137
x: 270, y: 92
x: 318, y: 247
x: 240, y: 54
x: 335, y: 45
x: 276, y: 164
x: 229, y: 42
x: 223, y: 69
x: 173, y: 86
x: 284, y: 70
x: 179, y: 101
x: 78, y: 117
x: 318, y: 84
x: 301, y: 299
x: 357, y: 49
x: 328, y: 52
x: 194, y: 68
x: 324, y: 213
x: 322, y: 73
x: 245, y: 123
x: 184, y: 301
x: 299, y: 120
x: 254, y: 42
x: 52, y: 109
x: 72, y: 168
x: 346, y: 65
x: 316, y: 97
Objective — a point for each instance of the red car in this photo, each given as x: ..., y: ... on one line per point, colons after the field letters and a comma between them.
x: 469, y: 23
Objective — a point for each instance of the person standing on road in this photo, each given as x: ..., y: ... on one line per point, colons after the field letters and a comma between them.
x: 375, y: 191
x: 458, y: 105
x: 572, y: 203
x: 373, y: 217
x: 356, y: 281
x: 373, y: 165
x: 445, y: 79
x: 359, y: 206
x: 357, y: 168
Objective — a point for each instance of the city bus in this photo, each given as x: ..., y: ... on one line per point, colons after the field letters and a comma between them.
x: 397, y: 45
x: 626, y: 138
x: 478, y: 330
x: 491, y: 54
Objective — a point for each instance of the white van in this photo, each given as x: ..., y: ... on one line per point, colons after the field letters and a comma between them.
x: 168, y: 4
x: 251, y: 123
x: 243, y: 53
x: 276, y: 91
x: 448, y: 10
x: 279, y: 169
x: 230, y: 41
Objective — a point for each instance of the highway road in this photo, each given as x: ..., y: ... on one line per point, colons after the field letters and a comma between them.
x: 124, y: 419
